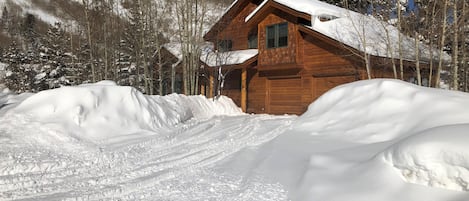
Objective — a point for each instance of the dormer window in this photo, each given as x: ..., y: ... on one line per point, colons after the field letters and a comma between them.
x: 252, y: 41
x: 225, y: 45
x: 326, y: 18
x: 277, y: 35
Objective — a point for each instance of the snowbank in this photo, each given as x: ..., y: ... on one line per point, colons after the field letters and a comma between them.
x: 370, y: 140
x: 383, y: 109
x: 425, y: 129
x: 438, y: 157
x: 103, y: 110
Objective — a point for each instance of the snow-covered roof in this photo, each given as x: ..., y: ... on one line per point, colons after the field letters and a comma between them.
x: 174, y: 49
x: 213, y: 59
x: 361, y: 32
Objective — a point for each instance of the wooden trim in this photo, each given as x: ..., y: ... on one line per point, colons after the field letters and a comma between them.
x: 284, y: 77
x: 267, y: 95
x: 319, y: 75
x: 244, y: 76
x: 280, y: 67
x: 269, y: 7
x: 211, y: 84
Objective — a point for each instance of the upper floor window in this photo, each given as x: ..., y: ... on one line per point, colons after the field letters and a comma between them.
x: 225, y: 45
x: 277, y: 35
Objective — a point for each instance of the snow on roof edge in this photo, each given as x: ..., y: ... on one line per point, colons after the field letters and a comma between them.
x: 213, y: 59
x: 255, y: 11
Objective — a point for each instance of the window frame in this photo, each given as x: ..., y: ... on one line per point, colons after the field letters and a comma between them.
x: 277, y: 35
x: 225, y: 45
x: 253, y: 41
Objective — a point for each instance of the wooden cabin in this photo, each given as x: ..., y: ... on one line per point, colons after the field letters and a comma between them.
x: 296, y: 61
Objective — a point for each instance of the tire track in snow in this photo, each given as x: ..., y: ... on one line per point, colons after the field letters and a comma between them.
x: 145, y: 165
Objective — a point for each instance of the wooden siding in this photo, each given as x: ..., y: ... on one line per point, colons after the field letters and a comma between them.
x: 281, y: 55
x: 322, y: 59
x: 284, y: 96
x: 323, y: 84
x: 237, y: 31
x: 256, y: 92
x: 232, y: 86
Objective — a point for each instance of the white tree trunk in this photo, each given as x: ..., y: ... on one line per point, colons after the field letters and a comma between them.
x: 442, y: 44
x: 455, y: 48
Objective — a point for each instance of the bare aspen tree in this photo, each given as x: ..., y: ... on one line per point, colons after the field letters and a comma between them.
x: 431, y: 30
x: 158, y: 13
x: 465, y: 47
x: 86, y: 6
x: 190, y: 16
x: 417, y: 58
x: 366, y: 56
x: 399, y: 27
x: 416, y: 30
x: 384, y: 15
x: 360, y: 28
x: 106, y: 22
x: 455, y: 50
x: 144, y: 6
x: 442, y: 43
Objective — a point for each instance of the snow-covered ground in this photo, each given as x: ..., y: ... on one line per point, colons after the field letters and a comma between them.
x: 371, y: 140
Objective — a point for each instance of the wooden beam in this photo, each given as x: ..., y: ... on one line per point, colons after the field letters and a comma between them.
x: 211, y: 84
x: 244, y: 76
x: 202, y: 90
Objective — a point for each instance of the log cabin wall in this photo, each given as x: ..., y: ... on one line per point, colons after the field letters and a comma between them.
x: 281, y: 55
x: 236, y: 30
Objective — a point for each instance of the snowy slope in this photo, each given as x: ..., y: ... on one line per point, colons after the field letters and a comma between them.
x: 380, y: 140
x: 27, y: 6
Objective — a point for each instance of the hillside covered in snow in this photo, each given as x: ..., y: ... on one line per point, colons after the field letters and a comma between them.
x: 381, y: 140
x: 47, y: 44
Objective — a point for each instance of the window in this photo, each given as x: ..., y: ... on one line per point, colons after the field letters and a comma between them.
x: 277, y: 35
x: 326, y: 18
x: 252, y: 41
x: 225, y: 45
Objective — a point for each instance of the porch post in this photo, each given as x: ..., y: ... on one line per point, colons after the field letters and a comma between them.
x: 244, y: 76
x: 211, y: 84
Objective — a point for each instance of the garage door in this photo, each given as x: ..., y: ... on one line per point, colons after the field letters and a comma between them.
x: 284, y: 96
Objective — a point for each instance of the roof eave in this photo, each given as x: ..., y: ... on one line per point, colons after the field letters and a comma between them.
x: 221, y: 23
x: 270, y: 6
x: 245, y: 64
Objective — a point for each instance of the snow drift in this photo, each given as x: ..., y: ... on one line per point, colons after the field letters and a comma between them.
x: 98, y: 111
x: 368, y: 140
x: 383, y: 109
x: 438, y: 157
x: 426, y: 128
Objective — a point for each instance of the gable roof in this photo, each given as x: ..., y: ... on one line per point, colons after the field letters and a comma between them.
x: 357, y: 31
x: 230, y: 13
